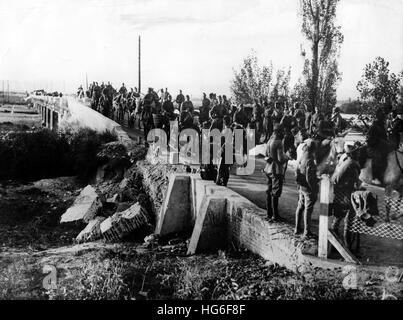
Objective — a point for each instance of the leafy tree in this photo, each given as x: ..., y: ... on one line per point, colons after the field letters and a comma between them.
x: 321, y: 73
x: 378, y: 84
x: 251, y: 81
x: 255, y: 82
x: 281, y: 89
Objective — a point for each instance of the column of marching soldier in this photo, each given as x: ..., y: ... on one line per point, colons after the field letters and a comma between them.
x: 155, y: 110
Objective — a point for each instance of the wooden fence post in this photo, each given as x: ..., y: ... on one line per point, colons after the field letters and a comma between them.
x: 326, y: 199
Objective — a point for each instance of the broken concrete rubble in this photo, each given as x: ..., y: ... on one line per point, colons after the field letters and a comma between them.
x: 85, y: 207
x: 92, y: 231
x: 123, y: 223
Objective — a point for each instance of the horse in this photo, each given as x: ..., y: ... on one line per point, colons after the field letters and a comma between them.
x: 327, y: 152
x: 392, y: 176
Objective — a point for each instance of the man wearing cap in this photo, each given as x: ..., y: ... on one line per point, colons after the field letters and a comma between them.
x: 308, y: 188
x: 299, y: 115
x: 186, y: 119
x: 302, y: 137
x: 204, y: 109
x: 217, y: 113
x: 346, y: 181
x: 315, y: 119
x: 377, y: 141
x: 188, y: 105
x: 149, y: 104
x: 240, y: 116
x: 276, y: 160
x: 180, y: 98
x: 123, y: 89
x: 325, y: 128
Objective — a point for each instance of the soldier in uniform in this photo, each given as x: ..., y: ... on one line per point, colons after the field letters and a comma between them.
x: 276, y: 159
x: 123, y: 89
x: 180, y: 98
x: 240, y: 117
x: 217, y: 114
x: 267, y: 121
x: 148, y: 105
x: 223, y: 170
x: 258, y: 119
x: 188, y: 104
x: 186, y: 119
x: 346, y: 181
x: 97, y: 96
x: 337, y: 120
x: 316, y: 117
x: 168, y: 114
x: 205, y: 109
x: 377, y: 142
x: 308, y: 188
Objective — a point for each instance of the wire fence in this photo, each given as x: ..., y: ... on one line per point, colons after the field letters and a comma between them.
x: 386, y: 219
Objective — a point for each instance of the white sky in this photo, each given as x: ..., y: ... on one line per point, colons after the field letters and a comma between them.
x: 188, y: 44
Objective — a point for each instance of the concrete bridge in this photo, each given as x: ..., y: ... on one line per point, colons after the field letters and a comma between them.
x: 68, y: 109
x: 51, y: 109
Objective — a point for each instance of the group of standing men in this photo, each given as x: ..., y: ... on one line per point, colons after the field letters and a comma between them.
x: 383, y: 135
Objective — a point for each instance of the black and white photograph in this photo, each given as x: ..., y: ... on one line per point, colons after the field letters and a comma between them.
x: 201, y: 154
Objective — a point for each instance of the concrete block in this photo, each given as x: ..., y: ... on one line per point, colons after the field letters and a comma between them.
x: 123, y: 223
x: 85, y: 207
x: 176, y: 210
x: 209, y: 232
x: 92, y: 231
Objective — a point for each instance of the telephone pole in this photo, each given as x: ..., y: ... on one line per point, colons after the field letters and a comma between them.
x: 86, y: 80
x: 139, y: 64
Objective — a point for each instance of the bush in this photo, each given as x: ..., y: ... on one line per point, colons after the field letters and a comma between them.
x: 47, y: 154
x: 33, y: 155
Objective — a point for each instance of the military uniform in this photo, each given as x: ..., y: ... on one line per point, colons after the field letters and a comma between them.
x: 377, y: 141
x: 346, y: 181
x: 308, y: 188
x: 217, y: 113
x: 204, y: 110
x: 241, y: 118
x: 274, y: 170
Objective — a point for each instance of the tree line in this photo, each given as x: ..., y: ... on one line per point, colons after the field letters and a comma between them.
x: 317, y: 85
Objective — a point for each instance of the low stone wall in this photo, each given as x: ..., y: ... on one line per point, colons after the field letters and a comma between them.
x: 220, y: 210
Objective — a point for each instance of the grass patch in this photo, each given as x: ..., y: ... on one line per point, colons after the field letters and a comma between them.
x: 128, y: 275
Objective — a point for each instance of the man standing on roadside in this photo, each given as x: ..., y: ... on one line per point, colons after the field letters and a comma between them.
x: 308, y: 188
x: 276, y: 160
x: 346, y: 181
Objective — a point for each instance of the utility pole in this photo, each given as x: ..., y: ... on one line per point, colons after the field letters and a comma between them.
x: 8, y: 91
x: 3, y: 93
x: 139, y: 64
x: 86, y: 80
